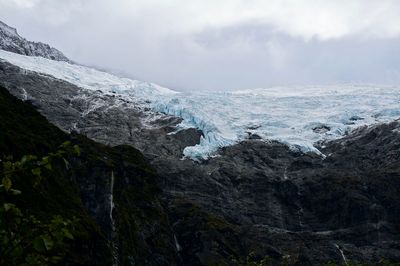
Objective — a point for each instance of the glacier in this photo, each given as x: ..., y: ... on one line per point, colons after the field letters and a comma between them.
x: 297, y: 116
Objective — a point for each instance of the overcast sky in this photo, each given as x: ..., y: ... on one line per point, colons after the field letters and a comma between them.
x: 221, y: 44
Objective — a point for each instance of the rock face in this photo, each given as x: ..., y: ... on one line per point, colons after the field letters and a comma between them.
x: 282, y: 203
x: 115, y: 186
x: 12, y: 42
x: 109, y: 119
x: 256, y: 197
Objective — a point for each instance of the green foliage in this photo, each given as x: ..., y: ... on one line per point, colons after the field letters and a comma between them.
x: 251, y: 260
x: 330, y: 263
x: 23, y: 130
x: 24, y: 239
x: 28, y: 241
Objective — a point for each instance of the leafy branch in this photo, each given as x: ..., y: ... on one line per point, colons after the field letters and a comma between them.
x: 25, y: 240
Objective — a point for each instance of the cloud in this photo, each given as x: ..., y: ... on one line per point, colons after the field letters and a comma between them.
x: 46, y: 11
x: 298, y: 18
x: 224, y: 44
x: 19, y: 3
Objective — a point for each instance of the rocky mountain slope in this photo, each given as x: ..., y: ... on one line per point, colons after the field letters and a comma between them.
x: 11, y: 41
x: 112, y: 191
x: 254, y: 197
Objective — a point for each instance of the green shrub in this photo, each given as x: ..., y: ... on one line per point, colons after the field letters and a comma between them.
x: 24, y: 239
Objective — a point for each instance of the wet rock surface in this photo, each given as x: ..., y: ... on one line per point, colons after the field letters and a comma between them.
x: 255, y: 196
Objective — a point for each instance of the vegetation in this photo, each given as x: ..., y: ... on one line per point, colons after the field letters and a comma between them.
x: 42, y: 218
x: 59, y: 189
x: 251, y: 260
x: 25, y: 239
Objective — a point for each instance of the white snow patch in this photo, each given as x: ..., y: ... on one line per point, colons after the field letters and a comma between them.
x: 85, y: 77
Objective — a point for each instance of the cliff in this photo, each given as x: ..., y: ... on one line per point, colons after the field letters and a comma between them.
x: 112, y: 191
x: 255, y: 197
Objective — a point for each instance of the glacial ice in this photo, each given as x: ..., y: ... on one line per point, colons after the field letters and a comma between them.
x: 285, y: 114
x: 288, y: 115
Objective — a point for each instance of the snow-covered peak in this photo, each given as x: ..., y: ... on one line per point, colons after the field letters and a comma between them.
x: 7, y: 29
x: 11, y: 41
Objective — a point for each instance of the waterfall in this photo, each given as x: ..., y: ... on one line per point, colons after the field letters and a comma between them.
x: 178, y: 247
x: 300, y: 212
x: 24, y: 95
x: 114, y: 245
x: 342, y: 254
x: 285, y: 177
x: 112, y: 201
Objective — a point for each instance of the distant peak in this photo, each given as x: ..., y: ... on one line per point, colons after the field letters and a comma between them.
x: 6, y: 28
x: 11, y: 41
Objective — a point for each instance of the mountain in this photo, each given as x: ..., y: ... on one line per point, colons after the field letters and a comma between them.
x: 303, y: 116
x: 97, y: 179
x: 11, y: 41
x: 255, y: 196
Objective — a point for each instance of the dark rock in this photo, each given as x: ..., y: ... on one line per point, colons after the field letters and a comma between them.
x: 254, y: 196
x: 253, y: 127
x: 253, y: 136
x: 356, y: 118
x: 321, y: 129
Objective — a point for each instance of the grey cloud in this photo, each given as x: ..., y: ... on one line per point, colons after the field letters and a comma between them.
x: 151, y: 45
